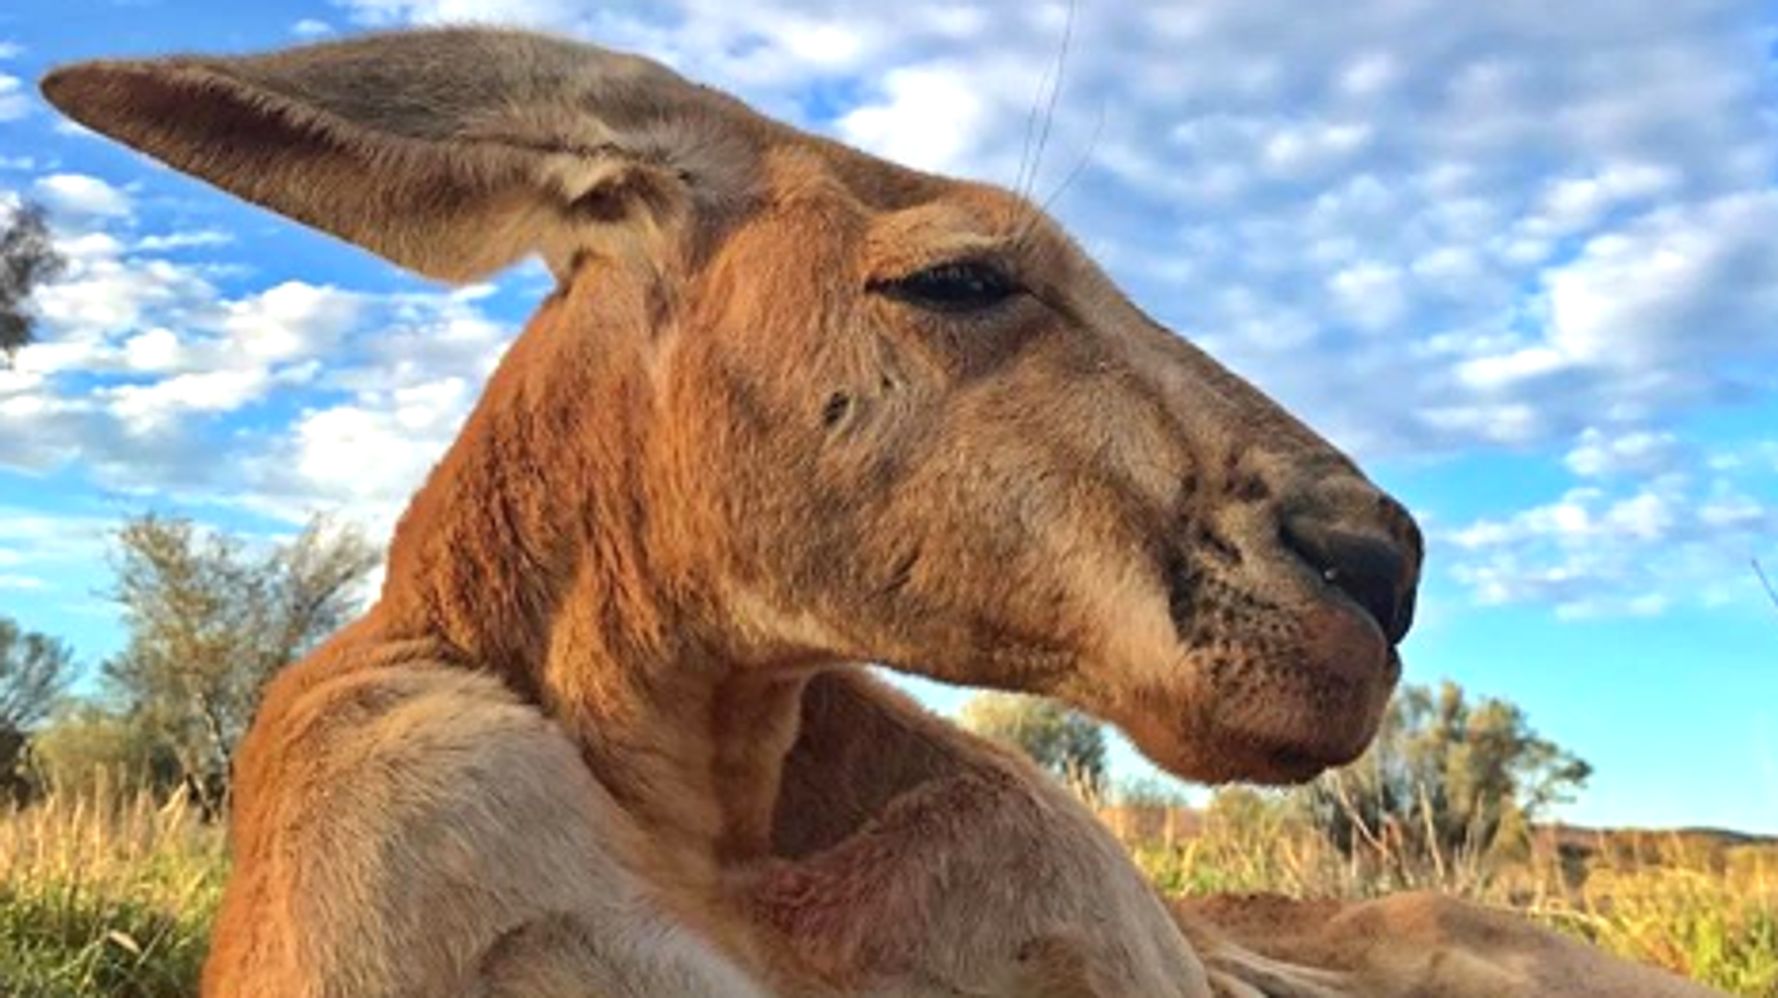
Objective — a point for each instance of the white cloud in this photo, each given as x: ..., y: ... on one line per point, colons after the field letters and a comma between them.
x: 81, y: 195
x: 928, y: 118
x: 309, y: 27
x: 1427, y: 228
x: 1576, y: 203
x: 104, y: 295
x: 1370, y: 294
x: 533, y: 13
x: 1637, y: 452
x: 1737, y: 511
x: 1298, y: 151
x: 201, y: 238
x: 374, y: 452
x: 140, y: 357
x: 154, y: 351
x: 1667, y: 541
x: 822, y: 44
x: 151, y: 407
x: 1644, y: 517
x: 1686, y: 285
x: 288, y: 322
x: 13, y: 102
x: 31, y: 539
x: 1369, y: 75
x: 1508, y: 369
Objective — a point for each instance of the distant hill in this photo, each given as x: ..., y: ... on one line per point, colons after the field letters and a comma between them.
x: 1154, y: 822
x: 1721, y: 838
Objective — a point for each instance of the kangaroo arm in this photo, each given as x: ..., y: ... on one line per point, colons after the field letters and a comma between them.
x: 891, y: 821
x: 913, y: 858
x: 1425, y: 943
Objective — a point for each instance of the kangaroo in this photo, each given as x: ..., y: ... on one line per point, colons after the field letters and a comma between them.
x: 790, y: 408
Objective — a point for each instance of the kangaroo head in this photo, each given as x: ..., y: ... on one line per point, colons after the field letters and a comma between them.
x: 869, y: 414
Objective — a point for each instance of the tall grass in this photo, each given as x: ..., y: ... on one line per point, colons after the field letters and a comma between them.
x: 106, y: 896
x: 101, y: 897
x: 1693, y: 905
x: 1711, y: 915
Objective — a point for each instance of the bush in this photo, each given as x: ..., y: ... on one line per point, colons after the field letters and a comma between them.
x: 1063, y: 741
x: 87, y: 752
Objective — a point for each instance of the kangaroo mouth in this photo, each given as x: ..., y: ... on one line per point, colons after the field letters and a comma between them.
x: 1287, y: 675
x: 1210, y: 603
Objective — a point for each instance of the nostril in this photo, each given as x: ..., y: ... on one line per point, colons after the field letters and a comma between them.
x: 1376, y: 573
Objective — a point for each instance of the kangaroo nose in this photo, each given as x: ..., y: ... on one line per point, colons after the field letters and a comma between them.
x: 1363, y: 544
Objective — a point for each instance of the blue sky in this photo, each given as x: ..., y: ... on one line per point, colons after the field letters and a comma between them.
x: 1521, y: 265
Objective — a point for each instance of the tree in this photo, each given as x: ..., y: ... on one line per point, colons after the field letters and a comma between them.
x: 1447, y: 784
x: 34, y: 672
x: 27, y: 258
x: 1064, y: 741
x: 209, y: 621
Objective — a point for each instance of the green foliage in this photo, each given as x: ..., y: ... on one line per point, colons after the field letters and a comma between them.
x: 210, y: 621
x: 27, y: 259
x: 87, y: 749
x: 56, y: 940
x: 1448, y: 783
x: 34, y: 670
x: 1063, y: 741
x: 1150, y: 792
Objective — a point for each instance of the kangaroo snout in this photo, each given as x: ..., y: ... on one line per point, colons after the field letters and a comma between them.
x: 1363, y: 544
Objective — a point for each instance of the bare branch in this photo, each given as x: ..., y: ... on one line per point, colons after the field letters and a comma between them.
x: 1766, y: 583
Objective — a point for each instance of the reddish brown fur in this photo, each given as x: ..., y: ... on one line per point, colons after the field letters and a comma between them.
x: 602, y: 732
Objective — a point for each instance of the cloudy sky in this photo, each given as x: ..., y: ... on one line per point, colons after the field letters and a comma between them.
x: 1519, y: 258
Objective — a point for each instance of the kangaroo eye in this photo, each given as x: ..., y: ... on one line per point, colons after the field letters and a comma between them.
x: 961, y: 286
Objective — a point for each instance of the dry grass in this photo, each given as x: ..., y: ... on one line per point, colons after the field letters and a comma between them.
x: 106, y: 898
x: 1711, y: 914
x: 117, y: 899
x: 1689, y: 903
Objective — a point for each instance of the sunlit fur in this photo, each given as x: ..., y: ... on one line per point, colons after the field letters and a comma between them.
x: 605, y: 732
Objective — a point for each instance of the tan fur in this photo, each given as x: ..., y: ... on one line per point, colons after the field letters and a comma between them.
x: 603, y: 734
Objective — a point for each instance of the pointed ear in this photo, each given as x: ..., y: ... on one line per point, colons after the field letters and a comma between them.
x: 452, y: 152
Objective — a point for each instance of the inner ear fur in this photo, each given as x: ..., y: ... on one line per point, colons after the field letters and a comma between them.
x: 452, y: 152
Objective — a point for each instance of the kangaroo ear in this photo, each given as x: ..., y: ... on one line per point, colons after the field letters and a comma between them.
x: 451, y: 153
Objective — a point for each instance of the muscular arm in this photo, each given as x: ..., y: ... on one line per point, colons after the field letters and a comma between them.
x: 414, y: 829
x: 915, y: 858
x: 860, y: 745
x: 878, y: 795
x: 1425, y: 943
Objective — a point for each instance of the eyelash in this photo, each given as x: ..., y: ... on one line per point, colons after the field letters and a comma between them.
x: 954, y: 287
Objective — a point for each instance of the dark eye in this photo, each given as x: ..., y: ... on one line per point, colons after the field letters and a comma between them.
x: 961, y: 286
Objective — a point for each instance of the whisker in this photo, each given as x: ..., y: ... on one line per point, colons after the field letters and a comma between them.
x: 1031, y: 161
x: 1049, y: 112
x: 1080, y: 167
